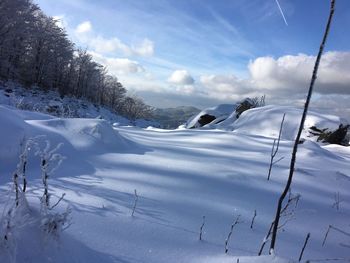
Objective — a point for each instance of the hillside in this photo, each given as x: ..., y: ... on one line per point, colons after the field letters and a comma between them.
x: 50, y: 102
x: 180, y: 176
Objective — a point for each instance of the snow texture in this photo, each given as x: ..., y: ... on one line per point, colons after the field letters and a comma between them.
x: 180, y: 175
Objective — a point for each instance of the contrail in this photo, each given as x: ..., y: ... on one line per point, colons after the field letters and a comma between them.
x: 284, y: 18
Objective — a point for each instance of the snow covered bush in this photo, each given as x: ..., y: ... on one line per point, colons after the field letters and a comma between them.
x: 338, y: 136
x: 52, y: 224
x: 21, y: 222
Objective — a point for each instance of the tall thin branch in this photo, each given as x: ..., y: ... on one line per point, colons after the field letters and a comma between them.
x: 275, y: 150
x: 302, y: 250
x: 296, y: 143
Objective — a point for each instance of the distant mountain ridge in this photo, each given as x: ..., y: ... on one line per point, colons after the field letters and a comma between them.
x: 171, y: 118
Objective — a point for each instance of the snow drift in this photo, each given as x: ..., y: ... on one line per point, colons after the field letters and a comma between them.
x: 265, y: 121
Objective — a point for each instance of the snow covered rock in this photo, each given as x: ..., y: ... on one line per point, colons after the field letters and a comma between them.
x: 211, y: 116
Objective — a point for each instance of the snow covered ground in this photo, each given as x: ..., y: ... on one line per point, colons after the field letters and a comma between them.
x: 180, y: 176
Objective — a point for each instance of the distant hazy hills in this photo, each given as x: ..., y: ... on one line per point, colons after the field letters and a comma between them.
x: 170, y: 118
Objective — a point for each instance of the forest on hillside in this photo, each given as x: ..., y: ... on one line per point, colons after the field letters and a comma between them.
x: 35, y: 51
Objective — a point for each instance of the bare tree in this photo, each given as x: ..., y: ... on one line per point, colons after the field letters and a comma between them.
x: 297, y: 139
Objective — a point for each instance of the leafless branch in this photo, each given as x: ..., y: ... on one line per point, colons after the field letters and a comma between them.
x: 305, y: 243
x: 274, y: 149
x: 301, y: 125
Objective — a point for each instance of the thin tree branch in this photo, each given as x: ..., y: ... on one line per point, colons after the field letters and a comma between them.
x: 302, y: 121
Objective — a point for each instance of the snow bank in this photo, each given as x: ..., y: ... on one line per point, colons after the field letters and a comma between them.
x: 14, y: 130
x: 85, y: 134
x: 265, y: 121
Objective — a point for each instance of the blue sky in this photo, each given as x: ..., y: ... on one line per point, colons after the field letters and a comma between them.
x: 205, y: 52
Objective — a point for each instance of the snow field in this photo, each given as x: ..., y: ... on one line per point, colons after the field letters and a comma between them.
x: 180, y: 175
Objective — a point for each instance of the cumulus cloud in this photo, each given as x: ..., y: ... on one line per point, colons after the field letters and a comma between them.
x: 84, y: 27
x: 103, y: 45
x: 181, y: 77
x: 225, y: 87
x: 118, y: 65
x: 286, y: 77
x: 289, y: 73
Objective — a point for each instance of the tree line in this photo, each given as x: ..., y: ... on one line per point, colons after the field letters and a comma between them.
x: 35, y: 51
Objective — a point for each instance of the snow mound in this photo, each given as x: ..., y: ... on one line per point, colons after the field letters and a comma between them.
x: 79, y: 137
x: 86, y: 134
x: 265, y: 121
x: 13, y: 130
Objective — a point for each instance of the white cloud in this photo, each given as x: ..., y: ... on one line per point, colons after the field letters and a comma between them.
x: 84, y: 27
x: 102, y: 45
x: 60, y: 21
x: 284, y: 78
x: 181, y: 77
x: 118, y: 66
x: 185, y: 89
x: 146, y: 48
x: 290, y: 74
x: 86, y: 35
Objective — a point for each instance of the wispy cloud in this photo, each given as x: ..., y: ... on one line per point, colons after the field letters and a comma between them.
x: 106, y: 45
x: 117, y: 66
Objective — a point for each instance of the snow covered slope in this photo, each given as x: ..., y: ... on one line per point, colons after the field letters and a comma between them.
x: 50, y: 102
x: 180, y: 175
x: 265, y: 121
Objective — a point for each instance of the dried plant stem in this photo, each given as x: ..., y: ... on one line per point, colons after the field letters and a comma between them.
x: 201, y: 229
x: 252, y: 223
x: 305, y: 243
x: 135, y: 203
x: 231, y: 230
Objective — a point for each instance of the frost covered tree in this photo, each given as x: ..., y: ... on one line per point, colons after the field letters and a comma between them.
x: 35, y: 51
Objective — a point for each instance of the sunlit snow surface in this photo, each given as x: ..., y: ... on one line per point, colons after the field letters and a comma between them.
x: 180, y: 175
